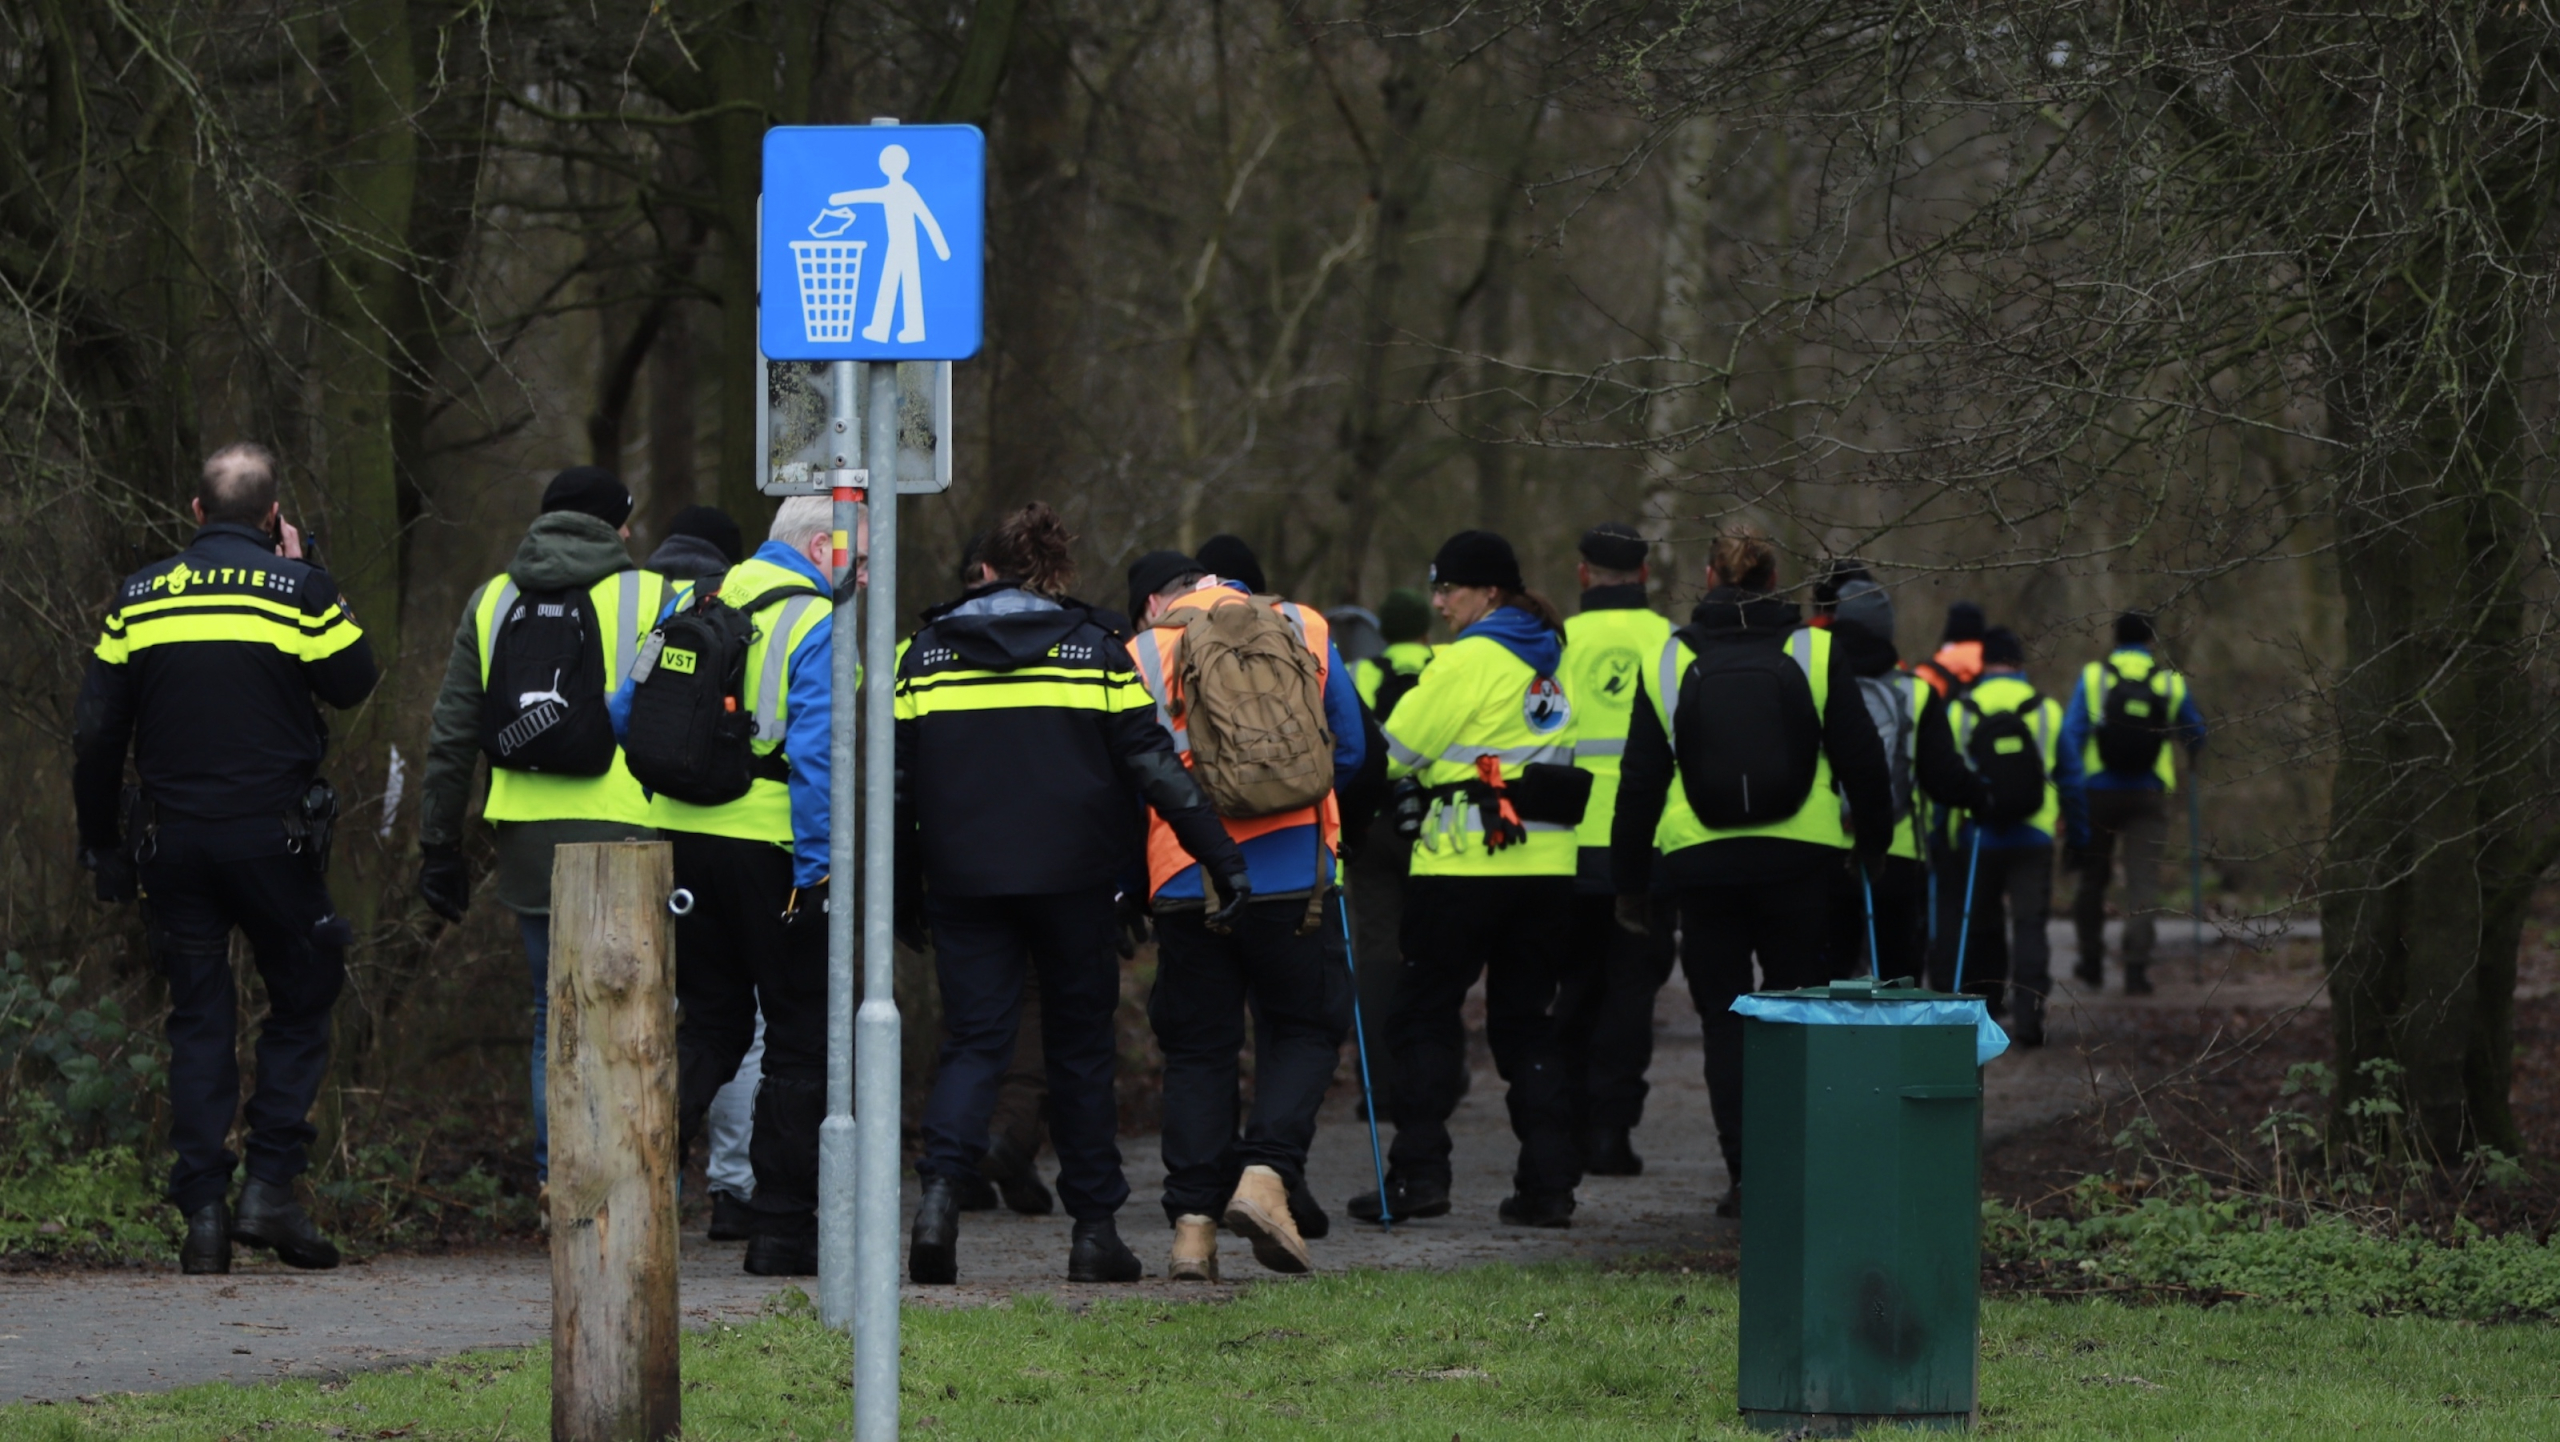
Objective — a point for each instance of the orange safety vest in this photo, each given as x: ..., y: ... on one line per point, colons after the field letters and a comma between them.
x: 1157, y: 650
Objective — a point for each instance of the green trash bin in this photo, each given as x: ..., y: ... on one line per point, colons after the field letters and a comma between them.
x: 1861, y: 1225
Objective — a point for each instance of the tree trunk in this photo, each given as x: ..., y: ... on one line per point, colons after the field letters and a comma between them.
x: 1035, y: 291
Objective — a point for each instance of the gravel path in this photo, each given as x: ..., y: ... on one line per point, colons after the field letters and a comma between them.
x: 70, y: 1334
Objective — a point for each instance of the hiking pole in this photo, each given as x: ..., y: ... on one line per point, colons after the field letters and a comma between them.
x: 1875, y: 958
x: 1964, y: 933
x: 1360, y: 1038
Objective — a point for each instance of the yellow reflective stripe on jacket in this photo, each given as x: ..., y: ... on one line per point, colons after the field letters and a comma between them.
x: 1476, y: 699
x: 1994, y: 695
x: 226, y: 616
x: 781, y: 626
x: 625, y: 605
x: 1819, y: 820
x: 2137, y: 667
x: 1606, y: 653
x: 1064, y: 688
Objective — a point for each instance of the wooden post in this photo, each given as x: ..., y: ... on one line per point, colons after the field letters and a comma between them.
x: 612, y: 1099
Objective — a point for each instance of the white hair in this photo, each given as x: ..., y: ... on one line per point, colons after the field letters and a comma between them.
x: 803, y: 519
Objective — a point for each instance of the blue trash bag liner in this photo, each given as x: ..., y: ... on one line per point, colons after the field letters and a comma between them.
x: 1803, y: 1010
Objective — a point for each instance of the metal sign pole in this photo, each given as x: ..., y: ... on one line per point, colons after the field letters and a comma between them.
x: 876, y: 1055
x: 836, y: 1134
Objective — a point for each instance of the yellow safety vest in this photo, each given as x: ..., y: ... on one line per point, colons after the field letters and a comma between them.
x: 1994, y: 694
x: 2137, y: 668
x: 1478, y: 699
x: 1605, y: 655
x: 625, y: 605
x: 1403, y: 658
x: 764, y: 813
x: 1820, y: 820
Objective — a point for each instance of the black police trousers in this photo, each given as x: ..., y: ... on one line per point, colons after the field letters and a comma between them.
x: 1607, y: 1006
x: 200, y: 881
x: 1299, y: 994
x: 981, y: 946
x: 1516, y: 931
x: 733, y: 949
x: 1723, y: 929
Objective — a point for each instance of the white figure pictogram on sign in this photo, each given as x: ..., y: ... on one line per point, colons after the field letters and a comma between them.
x: 902, y: 276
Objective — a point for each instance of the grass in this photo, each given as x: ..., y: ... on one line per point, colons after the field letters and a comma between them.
x: 1498, y: 1353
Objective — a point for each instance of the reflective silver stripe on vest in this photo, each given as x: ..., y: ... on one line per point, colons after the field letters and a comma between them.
x: 1800, y: 651
x: 507, y: 594
x: 1150, y: 658
x: 1511, y: 755
x: 1669, y: 692
x: 626, y: 641
x: 1297, y: 623
x: 777, y: 665
x: 1404, y: 755
x: 1607, y: 746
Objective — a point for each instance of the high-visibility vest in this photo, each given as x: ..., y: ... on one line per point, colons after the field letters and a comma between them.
x: 625, y: 605
x: 1479, y: 699
x: 1994, y: 694
x: 1605, y: 656
x: 1821, y: 819
x: 1916, y: 694
x: 1401, y: 658
x: 2137, y: 668
x: 1158, y: 652
x: 764, y: 813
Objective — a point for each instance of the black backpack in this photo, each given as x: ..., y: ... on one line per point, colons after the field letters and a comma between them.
x: 1392, y: 688
x: 2003, y: 754
x: 2133, y: 722
x: 543, y: 708
x: 692, y: 729
x: 1746, y: 735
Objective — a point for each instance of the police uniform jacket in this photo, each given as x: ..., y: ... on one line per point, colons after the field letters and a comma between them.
x: 1024, y: 737
x: 207, y: 667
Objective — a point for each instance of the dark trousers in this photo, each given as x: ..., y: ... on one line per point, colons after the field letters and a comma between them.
x: 981, y: 947
x: 1607, y: 1006
x: 2007, y: 955
x: 1723, y: 930
x: 734, y: 950
x: 2140, y: 819
x: 1901, y: 893
x: 1517, y: 931
x: 1376, y: 896
x: 1299, y: 994
x: 201, y: 881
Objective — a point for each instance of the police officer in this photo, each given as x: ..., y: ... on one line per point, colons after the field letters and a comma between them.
x: 574, y: 548
x: 1491, y: 893
x: 1614, y: 972
x: 208, y: 669
x: 1022, y: 733
x: 1762, y: 890
x: 2128, y: 705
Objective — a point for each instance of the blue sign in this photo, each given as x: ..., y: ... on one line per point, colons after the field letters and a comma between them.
x: 874, y: 242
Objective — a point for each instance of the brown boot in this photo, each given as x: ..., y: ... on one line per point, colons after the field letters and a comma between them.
x: 1259, y: 1213
x: 1195, y: 1250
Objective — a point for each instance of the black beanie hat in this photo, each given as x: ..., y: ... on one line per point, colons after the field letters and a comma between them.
x: 1476, y: 558
x: 1405, y: 615
x: 1613, y: 545
x: 1229, y: 558
x: 1153, y: 572
x: 1964, y: 622
x: 712, y: 524
x: 2001, y: 647
x: 591, y: 490
x: 2134, y: 629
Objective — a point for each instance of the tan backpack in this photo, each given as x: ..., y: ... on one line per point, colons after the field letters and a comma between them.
x: 1251, y: 696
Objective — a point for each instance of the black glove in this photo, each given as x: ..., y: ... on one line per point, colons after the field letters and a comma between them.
x: 1632, y: 915
x: 112, y: 872
x: 1130, y: 909
x: 1236, y: 888
x: 444, y: 880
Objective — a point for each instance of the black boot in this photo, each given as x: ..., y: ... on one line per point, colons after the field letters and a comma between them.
x: 1017, y: 1175
x: 2137, y: 978
x: 1610, y: 1152
x: 2026, y: 1020
x: 731, y: 1221
x: 269, y: 1217
x: 1522, y: 1210
x: 772, y: 1255
x: 1098, y: 1255
x: 1313, y: 1224
x: 977, y: 1194
x: 933, y: 1244
x: 1730, y: 1205
x: 207, y: 1249
x: 1410, y: 1199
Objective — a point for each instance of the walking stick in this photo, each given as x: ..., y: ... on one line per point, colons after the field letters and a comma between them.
x: 1964, y: 933
x: 1875, y: 958
x: 1360, y: 1038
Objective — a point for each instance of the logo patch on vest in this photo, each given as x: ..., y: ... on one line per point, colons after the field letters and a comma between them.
x: 1617, y: 673
x: 677, y: 661
x: 1545, y: 707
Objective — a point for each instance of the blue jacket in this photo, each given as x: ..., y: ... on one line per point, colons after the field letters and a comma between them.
x: 806, y: 736
x: 2078, y: 723
x: 1285, y: 860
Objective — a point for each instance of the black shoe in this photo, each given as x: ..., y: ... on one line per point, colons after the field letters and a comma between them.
x: 1609, y: 1152
x: 2026, y: 1021
x: 1730, y: 1204
x: 1098, y: 1255
x: 2091, y: 974
x: 1412, y: 1201
x: 1540, y: 1211
x: 269, y: 1217
x: 207, y: 1250
x: 2137, y: 980
x: 977, y: 1194
x: 730, y: 1219
x: 1313, y: 1224
x: 933, y: 1244
x: 1017, y: 1176
x: 772, y: 1256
